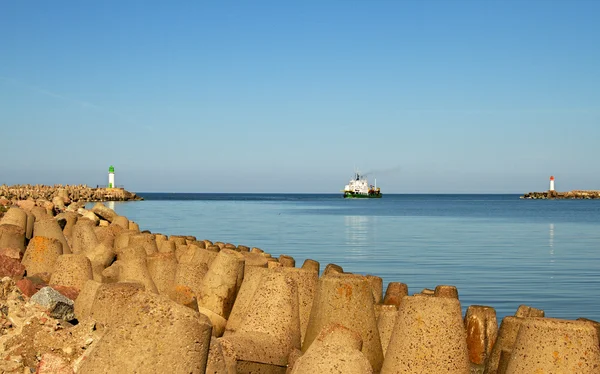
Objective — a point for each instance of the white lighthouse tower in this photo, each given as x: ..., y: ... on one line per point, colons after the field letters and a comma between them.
x: 551, y: 183
x: 111, y: 177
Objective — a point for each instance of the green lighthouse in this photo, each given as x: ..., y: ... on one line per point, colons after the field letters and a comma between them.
x: 111, y: 176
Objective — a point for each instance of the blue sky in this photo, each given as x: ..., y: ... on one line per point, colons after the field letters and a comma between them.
x: 291, y: 96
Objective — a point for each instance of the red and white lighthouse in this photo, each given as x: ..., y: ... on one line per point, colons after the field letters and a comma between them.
x: 551, y: 183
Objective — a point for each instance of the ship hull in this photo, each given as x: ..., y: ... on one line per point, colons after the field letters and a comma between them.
x: 350, y: 195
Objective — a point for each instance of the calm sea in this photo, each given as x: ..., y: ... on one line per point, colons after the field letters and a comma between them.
x: 498, y: 250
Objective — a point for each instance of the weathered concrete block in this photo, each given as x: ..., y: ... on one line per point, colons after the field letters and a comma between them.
x: 377, y: 287
x: 505, y: 341
x: 41, y: 255
x: 287, y: 261
x: 528, y: 311
x: 121, y: 221
x: 146, y: 241
x: 446, y: 291
x: 336, y: 349
x: 83, y: 304
x: 385, y: 324
x: 222, y: 282
x: 12, y: 236
x: 270, y: 328
x: 71, y: 270
x: 100, y: 257
x: 394, y: 293
x: 67, y: 221
x: 83, y: 238
x: 346, y: 299
x: 217, y: 362
x: 162, y: 268
x: 104, y: 212
x: 192, y: 276
x: 108, y: 234
x: 131, y: 266
x: 184, y: 295
x: 15, y: 216
x: 548, y: 345
x: 307, y: 281
x: 175, y: 339
x: 50, y: 229
x: 429, y: 337
x: 252, y: 279
x: 107, y: 297
x: 332, y: 268
x: 311, y: 265
x: 482, y: 330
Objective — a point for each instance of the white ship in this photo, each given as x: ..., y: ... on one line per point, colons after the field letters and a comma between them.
x: 359, y: 188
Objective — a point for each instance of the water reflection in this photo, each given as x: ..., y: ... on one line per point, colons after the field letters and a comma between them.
x: 357, y: 230
x: 551, y: 245
x: 110, y: 204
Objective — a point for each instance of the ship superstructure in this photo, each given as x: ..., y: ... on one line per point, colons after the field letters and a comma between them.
x: 359, y: 187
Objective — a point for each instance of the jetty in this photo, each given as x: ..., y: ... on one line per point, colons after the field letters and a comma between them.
x: 69, y: 193
x: 574, y: 194
x: 87, y: 291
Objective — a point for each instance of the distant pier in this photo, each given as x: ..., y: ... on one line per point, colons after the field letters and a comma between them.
x: 70, y: 193
x: 555, y: 195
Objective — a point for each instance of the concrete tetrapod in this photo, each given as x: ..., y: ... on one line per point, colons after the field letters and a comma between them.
x: 394, y: 293
x: 429, y: 337
x: 104, y: 212
x: 377, y: 286
x: 131, y: 266
x: 146, y: 241
x: 270, y: 327
x: 71, y: 270
x: 335, y: 350
x: 15, y: 216
x: 83, y: 237
x: 346, y: 299
x: 311, y: 265
x: 222, y: 282
x: 482, y: 331
x: 385, y: 324
x: 121, y: 221
x: 50, y: 229
x: 41, y: 255
x: 252, y: 279
x: 307, y: 281
x: 505, y: 341
x: 162, y: 267
x: 12, y: 236
x: 100, y: 257
x: 175, y: 339
x: 548, y: 345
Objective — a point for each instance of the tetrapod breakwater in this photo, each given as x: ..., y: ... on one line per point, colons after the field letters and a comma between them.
x: 89, y: 291
x: 574, y: 194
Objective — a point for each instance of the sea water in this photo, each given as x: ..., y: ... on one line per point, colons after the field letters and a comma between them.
x: 498, y: 250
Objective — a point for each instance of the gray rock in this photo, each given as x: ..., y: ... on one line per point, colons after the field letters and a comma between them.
x: 57, y: 305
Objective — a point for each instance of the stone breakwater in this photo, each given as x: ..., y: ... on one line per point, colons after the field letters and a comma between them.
x: 68, y: 193
x: 85, y: 291
x: 575, y: 194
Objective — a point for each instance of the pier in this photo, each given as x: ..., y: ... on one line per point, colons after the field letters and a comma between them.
x: 574, y: 194
x: 70, y: 193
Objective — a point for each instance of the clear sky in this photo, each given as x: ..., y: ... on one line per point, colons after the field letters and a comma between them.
x: 290, y: 96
